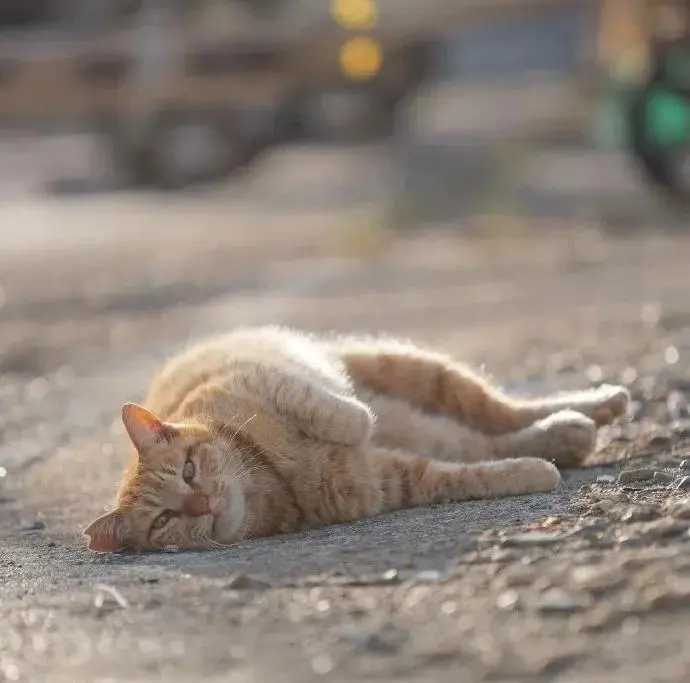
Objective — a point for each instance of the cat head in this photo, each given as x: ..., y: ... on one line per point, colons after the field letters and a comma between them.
x: 182, y: 489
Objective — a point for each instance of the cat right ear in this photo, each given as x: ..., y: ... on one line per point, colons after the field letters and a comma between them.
x: 108, y: 533
x: 145, y: 430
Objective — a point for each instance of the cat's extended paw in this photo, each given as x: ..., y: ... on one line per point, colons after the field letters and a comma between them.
x: 536, y: 476
x: 609, y: 402
x: 566, y: 437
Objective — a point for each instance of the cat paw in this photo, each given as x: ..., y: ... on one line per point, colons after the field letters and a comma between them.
x: 566, y: 437
x: 536, y: 476
x: 608, y: 402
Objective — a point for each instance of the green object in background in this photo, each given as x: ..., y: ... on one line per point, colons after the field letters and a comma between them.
x: 668, y: 118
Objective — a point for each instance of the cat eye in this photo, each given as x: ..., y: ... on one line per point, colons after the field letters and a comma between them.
x: 188, y: 471
x: 162, y: 519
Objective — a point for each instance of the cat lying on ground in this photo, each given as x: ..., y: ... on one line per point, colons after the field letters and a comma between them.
x: 267, y: 431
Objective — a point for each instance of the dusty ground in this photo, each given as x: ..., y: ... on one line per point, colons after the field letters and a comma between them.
x: 591, y: 583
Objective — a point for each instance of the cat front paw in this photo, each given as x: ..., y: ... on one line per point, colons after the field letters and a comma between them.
x: 537, y: 476
x: 566, y: 437
x: 609, y: 403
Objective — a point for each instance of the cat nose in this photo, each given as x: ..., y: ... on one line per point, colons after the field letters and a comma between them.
x: 196, y: 505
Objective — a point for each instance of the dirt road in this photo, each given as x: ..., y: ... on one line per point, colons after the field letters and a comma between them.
x: 591, y: 583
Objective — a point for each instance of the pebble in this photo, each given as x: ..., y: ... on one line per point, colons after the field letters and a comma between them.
x: 428, y: 576
x: 518, y: 575
x: 507, y: 600
x: 529, y: 538
x: 629, y: 476
x: 597, y: 578
x: 558, y: 600
x: 676, y: 404
x: 663, y: 528
x: 663, y: 478
x: 660, y: 441
x: 240, y: 582
x: 383, y: 640
x: 681, y: 428
x: 679, y: 509
x: 391, y: 576
x: 606, y: 479
x: 103, y: 590
x: 639, y: 513
x: 672, y: 596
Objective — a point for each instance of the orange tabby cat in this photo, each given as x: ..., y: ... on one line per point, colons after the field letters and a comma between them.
x: 267, y: 430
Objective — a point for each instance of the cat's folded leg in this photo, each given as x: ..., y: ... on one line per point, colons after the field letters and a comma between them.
x: 410, y: 481
x: 567, y: 438
x: 319, y: 411
x: 437, y: 383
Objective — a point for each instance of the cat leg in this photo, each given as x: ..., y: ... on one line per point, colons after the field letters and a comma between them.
x: 566, y: 438
x: 409, y: 481
x: 436, y: 383
x: 319, y: 411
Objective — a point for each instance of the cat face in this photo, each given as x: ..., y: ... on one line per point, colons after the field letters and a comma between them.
x: 183, y: 490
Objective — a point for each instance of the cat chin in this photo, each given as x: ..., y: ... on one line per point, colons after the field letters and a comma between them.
x: 227, y: 522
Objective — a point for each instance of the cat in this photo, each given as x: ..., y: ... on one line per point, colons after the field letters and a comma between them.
x: 268, y: 430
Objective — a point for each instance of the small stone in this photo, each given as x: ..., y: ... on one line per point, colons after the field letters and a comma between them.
x: 684, y: 465
x: 673, y: 596
x: 322, y: 664
x: 663, y: 528
x: 517, y: 575
x: 507, y: 600
x: 558, y: 600
x: 641, y: 474
x: 639, y: 513
x: 663, y: 478
x: 660, y: 441
x: 604, y: 505
x: 103, y: 590
x: 676, y: 404
x: 386, y: 639
x: 35, y: 525
x: 427, y: 576
x: 681, y: 429
x: 241, y: 582
x: 391, y: 576
x: 638, y: 410
x: 597, y: 578
x: 529, y: 538
x: 678, y: 509
x: 683, y: 484
x: 606, y: 479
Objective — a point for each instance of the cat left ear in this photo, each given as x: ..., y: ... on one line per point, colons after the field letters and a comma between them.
x: 108, y: 533
x: 145, y: 430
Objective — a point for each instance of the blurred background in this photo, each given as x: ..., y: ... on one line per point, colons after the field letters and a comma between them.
x: 504, y: 179
x: 376, y: 164
x: 456, y: 109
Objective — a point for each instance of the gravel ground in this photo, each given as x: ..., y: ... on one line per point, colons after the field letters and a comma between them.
x: 590, y: 583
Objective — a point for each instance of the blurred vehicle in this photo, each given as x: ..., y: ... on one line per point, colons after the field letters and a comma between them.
x: 645, y: 50
x: 188, y: 90
x: 192, y: 90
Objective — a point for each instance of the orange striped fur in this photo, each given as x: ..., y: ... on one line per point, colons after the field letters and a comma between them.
x: 268, y: 430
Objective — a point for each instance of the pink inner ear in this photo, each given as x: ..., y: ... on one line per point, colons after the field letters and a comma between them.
x: 144, y: 428
x: 108, y: 533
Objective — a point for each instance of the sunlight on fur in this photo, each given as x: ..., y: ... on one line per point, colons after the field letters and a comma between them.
x: 268, y: 430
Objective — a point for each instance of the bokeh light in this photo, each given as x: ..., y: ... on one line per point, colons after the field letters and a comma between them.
x: 355, y: 15
x: 361, y: 58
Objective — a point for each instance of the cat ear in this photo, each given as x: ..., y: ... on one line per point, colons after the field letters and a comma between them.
x: 145, y: 430
x: 108, y: 533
